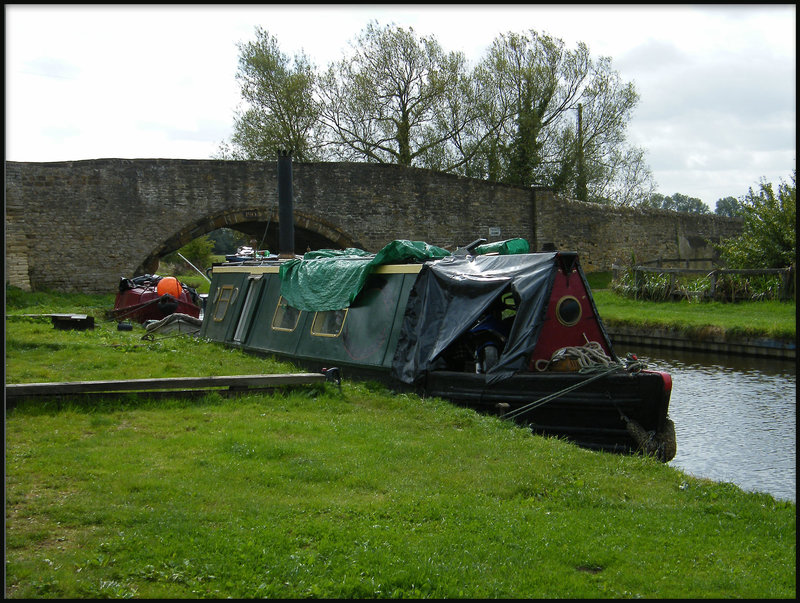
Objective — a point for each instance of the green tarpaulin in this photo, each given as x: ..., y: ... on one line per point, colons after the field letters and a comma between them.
x: 330, y: 279
x: 508, y: 247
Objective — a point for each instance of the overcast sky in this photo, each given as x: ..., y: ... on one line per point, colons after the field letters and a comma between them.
x: 717, y: 82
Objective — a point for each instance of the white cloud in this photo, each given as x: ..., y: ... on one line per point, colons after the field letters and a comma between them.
x: 717, y: 83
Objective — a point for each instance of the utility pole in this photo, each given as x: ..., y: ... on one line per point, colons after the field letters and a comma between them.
x: 580, y: 188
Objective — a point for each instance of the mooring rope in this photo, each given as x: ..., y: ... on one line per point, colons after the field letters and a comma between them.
x: 592, y: 361
x: 662, y: 444
x: 533, y: 405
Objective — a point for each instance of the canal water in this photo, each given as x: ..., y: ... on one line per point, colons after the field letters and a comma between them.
x: 735, y: 417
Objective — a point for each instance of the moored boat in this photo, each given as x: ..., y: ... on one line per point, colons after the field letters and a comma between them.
x: 246, y: 254
x: 493, y: 328
x: 152, y: 297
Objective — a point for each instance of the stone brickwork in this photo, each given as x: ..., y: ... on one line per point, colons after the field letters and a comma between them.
x: 81, y: 225
x: 603, y: 235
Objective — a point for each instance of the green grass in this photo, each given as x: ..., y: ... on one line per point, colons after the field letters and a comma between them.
x: 363, y: 494
x: 351, y: 493
x: 600, y: 280
x: 37, y: 353
x: 753, y: 319
x: 196, y: 281
x: 772, y: 319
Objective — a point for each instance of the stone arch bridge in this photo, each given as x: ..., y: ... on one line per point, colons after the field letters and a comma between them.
x: 81, y: 225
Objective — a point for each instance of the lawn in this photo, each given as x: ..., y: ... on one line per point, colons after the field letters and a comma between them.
x: 356, y: 492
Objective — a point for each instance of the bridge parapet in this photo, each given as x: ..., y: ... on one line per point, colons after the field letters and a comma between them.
x: 81, y: 225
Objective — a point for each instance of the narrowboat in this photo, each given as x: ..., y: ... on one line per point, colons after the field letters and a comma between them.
x: 153, y: 297
x: 490, y: 326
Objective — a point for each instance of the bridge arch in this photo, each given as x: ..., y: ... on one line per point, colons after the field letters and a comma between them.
x: 262, y: 224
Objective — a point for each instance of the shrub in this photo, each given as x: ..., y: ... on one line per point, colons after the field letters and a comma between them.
x: 768, y: 238
x: 198, y: 252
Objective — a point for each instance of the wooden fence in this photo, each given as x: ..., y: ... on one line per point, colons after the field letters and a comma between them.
x: 686, y: 262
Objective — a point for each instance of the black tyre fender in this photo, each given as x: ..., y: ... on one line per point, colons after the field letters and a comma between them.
x: 490, y: 355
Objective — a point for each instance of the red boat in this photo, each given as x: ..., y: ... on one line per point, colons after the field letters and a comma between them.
x: 152, y: 297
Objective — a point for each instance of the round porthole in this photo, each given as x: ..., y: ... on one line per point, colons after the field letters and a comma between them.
x: 568, y: 311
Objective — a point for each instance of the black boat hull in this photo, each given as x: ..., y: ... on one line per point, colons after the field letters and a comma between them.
x: 604, y: 413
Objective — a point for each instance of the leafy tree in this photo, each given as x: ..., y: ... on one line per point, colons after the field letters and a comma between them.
x: 227, y: 240
x: 530, y: 81
x: 613, y: 168
x: 398, y: 98
x: 689, y: 205
x: 537, y: 87
x: 197, y: 251
x: 629, y: 178
x: 281, y: 111
x: 658, y: 201
x: 677, y: 202
x: 769, y: 237
x: 729, y: 206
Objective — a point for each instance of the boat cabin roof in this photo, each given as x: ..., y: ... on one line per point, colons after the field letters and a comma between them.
x: 450, y: 293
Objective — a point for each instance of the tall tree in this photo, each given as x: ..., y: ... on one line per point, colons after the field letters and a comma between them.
x: 537, y: 85
x: 729, y: 206
x: 531, y: 80
x: 398, y: 98
x: 281, y: 112
x: 676, y: 202
x: 613, y: 169
x: 630, y: 179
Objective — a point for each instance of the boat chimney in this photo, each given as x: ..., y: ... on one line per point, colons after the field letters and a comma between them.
x: 285, y: 206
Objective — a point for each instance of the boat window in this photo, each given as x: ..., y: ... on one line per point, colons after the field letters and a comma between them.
x: 568, y: 311
x: 328, y: 323
x: 286, y: 317
x: 226, y: 295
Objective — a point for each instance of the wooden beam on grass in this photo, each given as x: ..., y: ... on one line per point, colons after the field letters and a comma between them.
x: 179, y: 384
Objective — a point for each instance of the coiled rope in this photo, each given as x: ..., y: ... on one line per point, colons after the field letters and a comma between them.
x: 588, y: 356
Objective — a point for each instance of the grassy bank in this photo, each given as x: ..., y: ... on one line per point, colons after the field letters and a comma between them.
x: 771, y: 319
x: 321, y: 492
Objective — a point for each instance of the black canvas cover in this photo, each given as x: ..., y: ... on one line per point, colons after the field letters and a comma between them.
x: 451, y: 294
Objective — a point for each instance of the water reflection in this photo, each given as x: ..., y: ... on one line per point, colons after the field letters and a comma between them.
x: 735, y: 417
